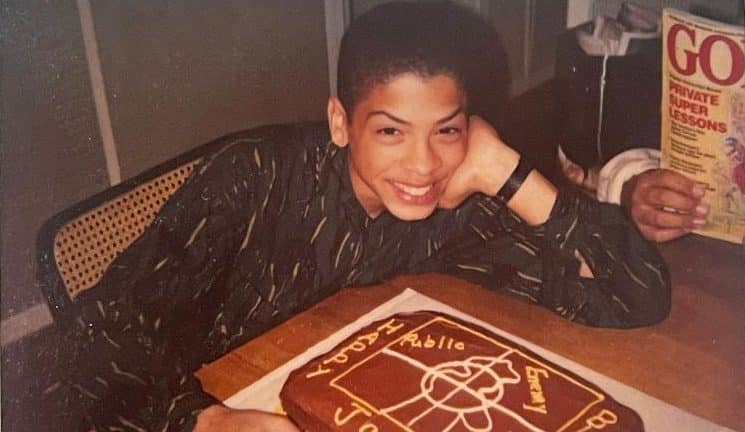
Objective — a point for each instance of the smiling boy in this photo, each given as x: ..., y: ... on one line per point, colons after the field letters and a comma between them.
x: 401, y: 180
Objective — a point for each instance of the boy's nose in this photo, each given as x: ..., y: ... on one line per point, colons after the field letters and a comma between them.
x: 422, y: 159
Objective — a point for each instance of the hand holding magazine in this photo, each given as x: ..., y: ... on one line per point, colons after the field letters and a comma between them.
x: 703, y: 114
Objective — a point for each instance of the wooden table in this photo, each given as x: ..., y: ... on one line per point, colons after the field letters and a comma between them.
x: 695, y: 359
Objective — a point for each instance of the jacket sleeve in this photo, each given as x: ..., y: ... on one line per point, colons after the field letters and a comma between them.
x: 494, y: 248
x: 621, y: 168
x: 142, y: 331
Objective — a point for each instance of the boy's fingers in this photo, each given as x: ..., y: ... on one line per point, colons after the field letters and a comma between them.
x: 661, y: 197
x: 661, y: 219
x: 677, y: 182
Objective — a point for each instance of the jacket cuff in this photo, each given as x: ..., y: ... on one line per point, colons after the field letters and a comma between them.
x: 621, y: 168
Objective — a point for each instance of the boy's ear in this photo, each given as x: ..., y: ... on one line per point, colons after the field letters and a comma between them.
x: 337, y: 118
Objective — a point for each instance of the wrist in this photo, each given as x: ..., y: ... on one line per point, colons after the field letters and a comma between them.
x: 495, y: 174
x: 534, y: 200
x: 514, y: 181
x: 526, y: 192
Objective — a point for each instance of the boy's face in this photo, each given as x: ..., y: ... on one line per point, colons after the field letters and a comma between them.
x: 406, y: 139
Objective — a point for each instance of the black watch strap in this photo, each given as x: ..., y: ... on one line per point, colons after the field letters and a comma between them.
x: 516, y: 179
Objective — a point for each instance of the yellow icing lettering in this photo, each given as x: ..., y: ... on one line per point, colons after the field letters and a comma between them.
x: 368, y: 427
x: 357, y: 346
x: 429, y: 342
x: 536, y: 408
x: 341, y: 357
x: 600, y: 421
x: 537, y: 399
x: 390, y: 327
x: 360, y: 344
x: 370, y: 338
x: 412, y: 339
x: 536, y: 396
x: 358, y: 409
x: 319, y: 371
x: 533, y: 373
x: 441, y: 343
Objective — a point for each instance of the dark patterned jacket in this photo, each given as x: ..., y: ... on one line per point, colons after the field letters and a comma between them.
x: 270, y: 225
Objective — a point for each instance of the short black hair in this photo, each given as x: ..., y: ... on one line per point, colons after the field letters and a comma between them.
x: 426, y: 39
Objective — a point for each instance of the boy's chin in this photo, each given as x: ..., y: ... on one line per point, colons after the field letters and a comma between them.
x: 411, y: 213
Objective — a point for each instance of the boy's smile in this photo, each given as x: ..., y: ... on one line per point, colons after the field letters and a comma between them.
x: 407, y: 137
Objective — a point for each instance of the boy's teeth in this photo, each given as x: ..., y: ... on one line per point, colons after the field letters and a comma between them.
x: 415, y: 191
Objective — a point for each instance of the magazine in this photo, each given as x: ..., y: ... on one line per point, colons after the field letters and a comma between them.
x: 703, y: 114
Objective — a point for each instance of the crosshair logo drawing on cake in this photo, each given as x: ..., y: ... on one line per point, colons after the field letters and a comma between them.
x: 438, y: 384
x: 467, y: 388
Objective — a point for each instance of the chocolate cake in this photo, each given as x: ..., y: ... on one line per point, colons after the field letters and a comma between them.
x: 426, y: 371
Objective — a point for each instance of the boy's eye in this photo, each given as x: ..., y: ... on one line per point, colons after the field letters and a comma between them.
x: 449, y: 130
x: 388, y: 131
x: 450, y: 134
